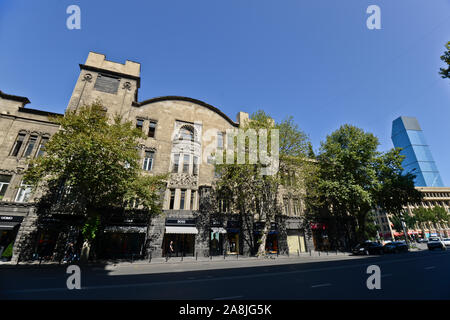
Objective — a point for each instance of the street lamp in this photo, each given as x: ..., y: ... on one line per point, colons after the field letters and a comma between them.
x: 404, y: 230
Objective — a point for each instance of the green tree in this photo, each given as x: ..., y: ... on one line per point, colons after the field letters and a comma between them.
x: 440, y: 216
x: 353, y: 179
x: 445, y: 72
x: 254, y: 194
x: 90, y: 164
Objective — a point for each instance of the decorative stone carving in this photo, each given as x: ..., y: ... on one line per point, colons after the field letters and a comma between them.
x: 127, y: 86
x: 87, y: 77
x: 183, y: 180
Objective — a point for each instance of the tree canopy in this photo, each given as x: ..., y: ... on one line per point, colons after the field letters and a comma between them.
x: 445, y: 72
x: 353, y: 180
x: 93, y: 163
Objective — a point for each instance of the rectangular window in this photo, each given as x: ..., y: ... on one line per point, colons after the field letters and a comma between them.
x: 19, y: 141
x: 176, y: 160
x: 195, y: 167
x: 193, y: 193
x: 296, y: 207
x: 182, y: 198
x: 152, y: 129
x: 148, y: 160
x: 107, y: 84
x: 30, y: 146
x: 186, y: 160
x: 4, y: 183
x: 139, y: 124
x: 172, y: 199
x: 41, y: 148
x: 286, y: 206
x: 24, y: 193
x: 220, y: 140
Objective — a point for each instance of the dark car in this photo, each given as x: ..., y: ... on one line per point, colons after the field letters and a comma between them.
x: 435, y: 243
x: 395, y: 247
x: 367, y: 248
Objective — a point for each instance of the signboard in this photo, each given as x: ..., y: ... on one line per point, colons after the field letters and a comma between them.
x: 11, y: 219
x: 180, y: 222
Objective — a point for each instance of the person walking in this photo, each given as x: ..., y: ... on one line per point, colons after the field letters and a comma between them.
x: 171, y: 251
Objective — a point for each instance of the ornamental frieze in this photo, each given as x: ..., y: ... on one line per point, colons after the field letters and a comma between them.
x: 183, y: 180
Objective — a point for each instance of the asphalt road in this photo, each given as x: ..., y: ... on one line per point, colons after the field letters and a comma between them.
x: 413, y: 275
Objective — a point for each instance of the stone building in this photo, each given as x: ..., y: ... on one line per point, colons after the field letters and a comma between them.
x: 432, y: 196
x: 181, y: 133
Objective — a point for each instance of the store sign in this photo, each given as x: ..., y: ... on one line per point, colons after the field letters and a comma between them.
x: 182, y: 222
x: 260, y: 226
x: 11, y: 219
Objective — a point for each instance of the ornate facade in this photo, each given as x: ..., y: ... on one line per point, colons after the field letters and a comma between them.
x: 181, y: 133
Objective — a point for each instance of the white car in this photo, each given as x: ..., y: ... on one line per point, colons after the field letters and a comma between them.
x: 446, y: 241
x: 435, y: 243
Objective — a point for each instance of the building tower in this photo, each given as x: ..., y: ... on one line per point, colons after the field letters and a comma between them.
x: 407, y: 134
x: 114, y: 84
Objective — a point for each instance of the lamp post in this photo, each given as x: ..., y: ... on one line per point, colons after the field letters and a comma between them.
x: 405, y: 230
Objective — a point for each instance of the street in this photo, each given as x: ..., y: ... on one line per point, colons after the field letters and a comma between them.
x: 413, y: 275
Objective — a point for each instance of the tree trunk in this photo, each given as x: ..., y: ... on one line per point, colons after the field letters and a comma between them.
x: 262, y: 246
x: 85, y: 251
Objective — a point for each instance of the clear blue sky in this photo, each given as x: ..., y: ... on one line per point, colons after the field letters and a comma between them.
x: 313, y: 59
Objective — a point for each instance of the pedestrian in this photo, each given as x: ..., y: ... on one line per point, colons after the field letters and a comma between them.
x: 70, y: 252
x: 171, y: 251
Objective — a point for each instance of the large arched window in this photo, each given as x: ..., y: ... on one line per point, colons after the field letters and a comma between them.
x: 186, y: 133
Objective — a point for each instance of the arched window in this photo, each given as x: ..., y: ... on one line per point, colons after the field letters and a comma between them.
x: 186, y: 133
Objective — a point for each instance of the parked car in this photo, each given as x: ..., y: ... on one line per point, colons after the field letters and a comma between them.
x: 424, y: 240
x: 367, y: 248
x: 435, y: 243
x: 395, y: 247
x: 446, y: 241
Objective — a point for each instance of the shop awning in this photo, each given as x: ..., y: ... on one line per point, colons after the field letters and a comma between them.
x: 181, y: 230
x: 5, y: 225
x: 218, y: 230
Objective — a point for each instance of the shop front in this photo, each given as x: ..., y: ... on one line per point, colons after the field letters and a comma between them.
x: 181, y: 232
x: 9, y: 226
x: 296, y: 241
x: 232, y: 237
x: 272, y: 236
x: 217, y: 239
x: 54, y: 233
x: 123, y: 237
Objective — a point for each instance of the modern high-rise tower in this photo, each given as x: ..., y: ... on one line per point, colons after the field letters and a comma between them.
x: 407, y: 134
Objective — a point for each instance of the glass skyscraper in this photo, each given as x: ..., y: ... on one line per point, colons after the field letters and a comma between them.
x: 407, y: 134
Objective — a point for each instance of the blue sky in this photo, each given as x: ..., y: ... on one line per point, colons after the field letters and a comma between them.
x: 313, y: 59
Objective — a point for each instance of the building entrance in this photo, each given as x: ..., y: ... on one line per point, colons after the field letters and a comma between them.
x: 183, y: 244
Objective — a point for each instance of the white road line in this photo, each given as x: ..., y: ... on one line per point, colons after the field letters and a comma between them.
x: 228, y: 298
x: 321, y: 285
x: 257, y: 275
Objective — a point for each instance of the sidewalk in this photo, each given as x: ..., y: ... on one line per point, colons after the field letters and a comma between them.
x: 181, y: 260
x: 296, y: 258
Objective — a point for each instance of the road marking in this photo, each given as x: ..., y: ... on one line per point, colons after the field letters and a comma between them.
x: 321, y: 285
x: 228, y: 298
x: 257, y: 275
x: 429, y: 268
